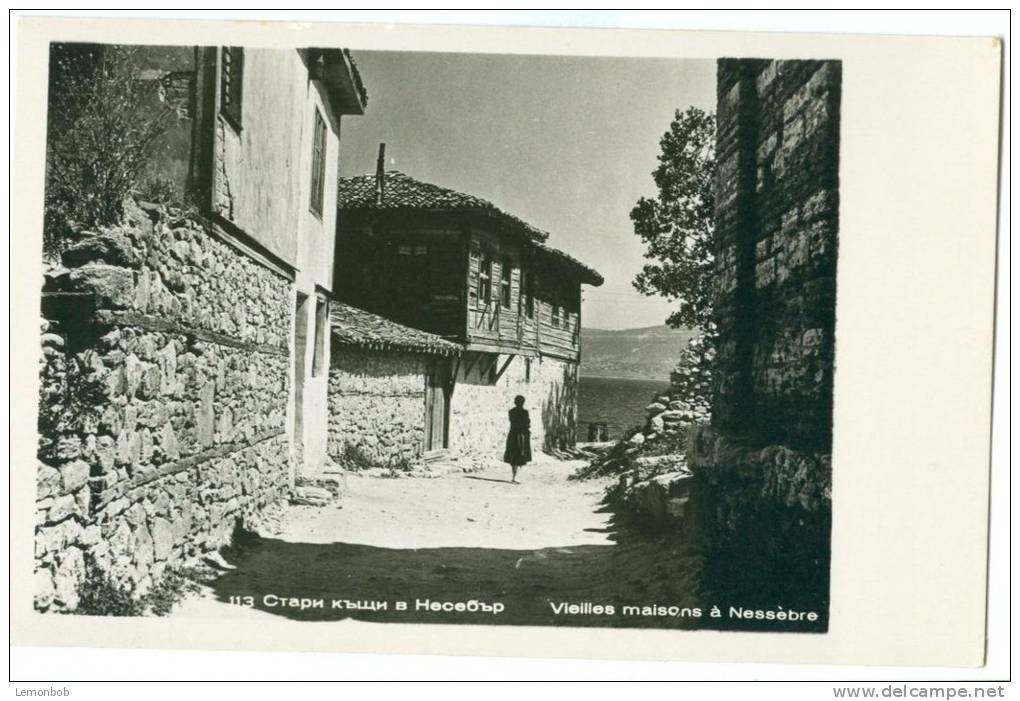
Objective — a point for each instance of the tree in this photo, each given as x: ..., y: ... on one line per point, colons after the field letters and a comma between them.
x: 676, y: 227
x: 103, y: 124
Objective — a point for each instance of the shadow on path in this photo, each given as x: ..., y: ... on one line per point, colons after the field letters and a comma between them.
x: 526, y: 582
x: 488, y: 479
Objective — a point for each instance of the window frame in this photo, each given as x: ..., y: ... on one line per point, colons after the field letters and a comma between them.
x: 411, y: 262
x: 506, y: 271
x: 484, y: 288
x: 317, y: 184
x: 530, y: 290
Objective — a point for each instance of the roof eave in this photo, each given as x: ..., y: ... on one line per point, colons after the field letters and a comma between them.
x: 381, y: 346
x: 343, y: 84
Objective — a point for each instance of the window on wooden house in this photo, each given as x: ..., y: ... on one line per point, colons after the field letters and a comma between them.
x: 555, y: 316
x: 505, y: 279
x: 231, y: 83
x: 318, y: 163
x: 485, y: 281
x: 410, y: 280
x: 529, y: 302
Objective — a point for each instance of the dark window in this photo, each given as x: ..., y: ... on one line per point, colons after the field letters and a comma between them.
x: 410, y: 283
x: 506, y: 276
x: 485, y: 280
x: 318, y: 163
x: 232, y: 83
x: 555, y: 316
x: 531, y: 282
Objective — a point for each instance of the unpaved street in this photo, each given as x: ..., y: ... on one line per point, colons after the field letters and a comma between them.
x: 451, y: 539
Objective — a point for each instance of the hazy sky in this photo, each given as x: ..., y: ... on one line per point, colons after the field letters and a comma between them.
x: 566, y: 143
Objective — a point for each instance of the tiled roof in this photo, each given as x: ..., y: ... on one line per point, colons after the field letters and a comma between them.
x: 404, y: 192
x: 356, y: 327
x: 588, y: 275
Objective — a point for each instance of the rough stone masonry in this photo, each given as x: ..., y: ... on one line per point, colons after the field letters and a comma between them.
x: 163, y: 402
x: 376, y: 408
x: 776, y: 234
x: 764, y: 463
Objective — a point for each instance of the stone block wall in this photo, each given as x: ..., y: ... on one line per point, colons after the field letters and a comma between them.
x: 163, y: 402
x: 761, y: 493
x: 776, y: 230
x: 478, y: 415
x: 766, y: 510
x: 376, y: 407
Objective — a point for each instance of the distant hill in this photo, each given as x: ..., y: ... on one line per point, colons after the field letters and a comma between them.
x: 645, y: 353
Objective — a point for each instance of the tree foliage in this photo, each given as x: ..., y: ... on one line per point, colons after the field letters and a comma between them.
x: 676, y: 226
x: 103, y: 123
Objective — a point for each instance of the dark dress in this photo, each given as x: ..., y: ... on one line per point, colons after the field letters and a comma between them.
x: 518, y: 440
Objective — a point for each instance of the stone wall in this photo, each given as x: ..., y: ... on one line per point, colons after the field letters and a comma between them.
x: 376, y: 407
x: 478, y: 415
x: 761, y: 488
x: 766, y: 510
x: 163, y: 402
x: 776, y: 229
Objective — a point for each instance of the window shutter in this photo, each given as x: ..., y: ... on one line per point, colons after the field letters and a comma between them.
x: 232, y: 83
x: 318, y: 163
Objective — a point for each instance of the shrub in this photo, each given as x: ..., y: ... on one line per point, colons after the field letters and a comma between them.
x: 103, y: 123
x: 100, y: 596
x: 168, y: 592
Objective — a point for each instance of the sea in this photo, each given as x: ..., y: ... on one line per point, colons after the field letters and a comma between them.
x: 618, y: 402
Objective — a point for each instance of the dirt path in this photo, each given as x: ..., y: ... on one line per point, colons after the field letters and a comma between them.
x: 478, y: 510
x: 455, y: 538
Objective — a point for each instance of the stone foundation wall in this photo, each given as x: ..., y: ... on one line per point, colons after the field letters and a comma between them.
x: 163, y: 402
x: 478, y: 416
x: 766, y: 510
x: 376, y: 407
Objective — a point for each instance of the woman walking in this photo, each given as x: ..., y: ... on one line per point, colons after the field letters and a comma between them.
x: 518, y: 440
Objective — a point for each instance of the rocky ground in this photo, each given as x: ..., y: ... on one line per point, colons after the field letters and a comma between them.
x: 456, y: 538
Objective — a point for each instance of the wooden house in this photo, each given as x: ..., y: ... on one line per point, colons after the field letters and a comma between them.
x: 458, y: 267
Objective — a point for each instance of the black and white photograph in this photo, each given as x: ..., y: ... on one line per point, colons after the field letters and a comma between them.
x: 391, y: 336
x: 346, y: 336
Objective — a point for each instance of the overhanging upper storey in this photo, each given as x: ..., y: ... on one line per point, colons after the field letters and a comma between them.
x: 339, y: 73
x: 456, y: 265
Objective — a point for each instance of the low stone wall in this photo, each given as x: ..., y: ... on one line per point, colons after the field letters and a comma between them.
x: 163, y: 402
x: 478, y: 416
x: 794, y: 479
x: 766, y: 509
x: 376, y: 407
